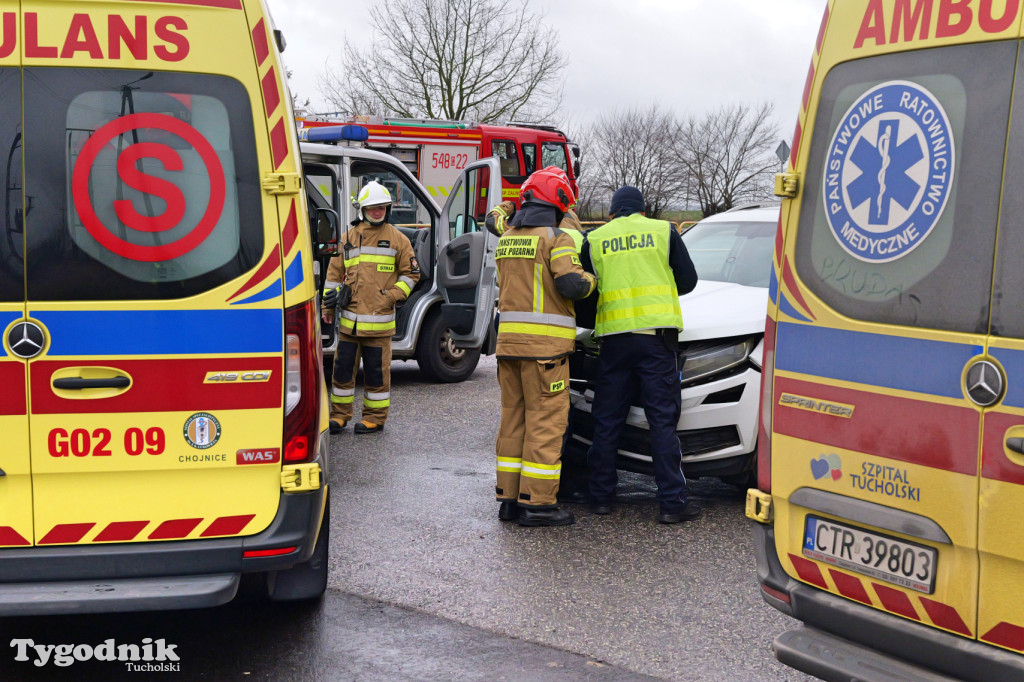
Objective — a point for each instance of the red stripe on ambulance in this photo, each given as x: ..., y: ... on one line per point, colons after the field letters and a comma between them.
x: 121, y: 531
x: 995, y: 465
x: 271, y: 93
x: 945, y: 616
x: 271, y: 265
x: 228, y: 525
x: 174, y: 529
x: 279, y: 142
x: 896, y: 601
x: 12, y: 398
x: 944, y: 436
x: 11, y: 538
x: 850, y: 587
x: 1006, y: 635
x: 291, y: 231
x: 66, y: 533
x: 808, y: 571
x: 167, y: 385
x: 259, y: 42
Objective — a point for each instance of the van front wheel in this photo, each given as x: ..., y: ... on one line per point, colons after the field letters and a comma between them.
x: 438, y: 357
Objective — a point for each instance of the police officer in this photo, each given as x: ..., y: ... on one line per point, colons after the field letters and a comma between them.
x: 642, y: 267
x: 539, y: 275
x: 376, y: 269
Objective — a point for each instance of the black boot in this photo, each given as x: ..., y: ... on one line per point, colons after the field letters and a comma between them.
x: 368, y: 427
x: 508, y: 511
x: 548, y: 516
x: 690, y: 512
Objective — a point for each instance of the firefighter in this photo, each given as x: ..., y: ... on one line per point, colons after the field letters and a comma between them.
x: 572, y: 485
x: 540, y: 275
x: 642, y: 267
x: 376, y: 270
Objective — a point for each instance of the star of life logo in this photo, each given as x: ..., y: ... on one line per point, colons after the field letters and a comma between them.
x: 889, y: 172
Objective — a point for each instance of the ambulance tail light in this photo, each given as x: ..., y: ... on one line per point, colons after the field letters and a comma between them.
x: 764, y: 427
x: 302, y: 378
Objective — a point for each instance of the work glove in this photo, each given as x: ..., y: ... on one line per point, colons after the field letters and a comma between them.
x: 330, y: 300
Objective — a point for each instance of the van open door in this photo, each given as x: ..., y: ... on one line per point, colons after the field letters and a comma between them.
x: 465, y: 254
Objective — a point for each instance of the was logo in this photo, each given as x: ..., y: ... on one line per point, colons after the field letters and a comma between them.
x: 889, y: 171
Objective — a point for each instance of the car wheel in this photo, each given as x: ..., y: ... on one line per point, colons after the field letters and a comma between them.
x: 308, y: 580
x: 438, y: 357
x: 744, y: 479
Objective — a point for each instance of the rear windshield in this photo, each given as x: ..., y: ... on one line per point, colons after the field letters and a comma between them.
x: 735, y: 252
x: 901, y: 193
x: 137, y: 184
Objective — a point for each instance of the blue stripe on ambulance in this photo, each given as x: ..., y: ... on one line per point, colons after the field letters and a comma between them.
x: 271, y: 291
x: 294, y: 276
x: 787, y: 307
x: 773, y: 288
x: 874, y: 359
x: 7, y: 318
x: 163, y: 332
x: 1013, y: 364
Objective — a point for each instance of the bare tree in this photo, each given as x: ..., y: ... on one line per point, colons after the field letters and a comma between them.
x: 484, y: 60
x: 637, y: 147
x: 729, y: 155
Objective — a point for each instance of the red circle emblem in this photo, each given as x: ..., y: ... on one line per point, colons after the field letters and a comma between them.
x: 171, y: 218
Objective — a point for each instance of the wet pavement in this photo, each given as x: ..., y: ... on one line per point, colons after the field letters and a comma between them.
x: 427, y: 584
x: 416, y: 525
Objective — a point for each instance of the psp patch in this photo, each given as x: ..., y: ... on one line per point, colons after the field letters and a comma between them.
x: 889, y: 172
x: 202, y: 430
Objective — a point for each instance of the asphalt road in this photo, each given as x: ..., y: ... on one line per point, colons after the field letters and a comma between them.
x: 427, y: 584
x: 415, y: 524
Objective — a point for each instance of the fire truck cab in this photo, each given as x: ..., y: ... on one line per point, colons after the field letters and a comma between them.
x: 435, y: 151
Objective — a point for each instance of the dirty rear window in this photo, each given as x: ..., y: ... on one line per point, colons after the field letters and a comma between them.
x: 901, y: 194
x: 138, y: 185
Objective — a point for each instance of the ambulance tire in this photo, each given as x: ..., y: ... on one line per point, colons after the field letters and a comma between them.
x: 438, y: 358
x: 308, y: 580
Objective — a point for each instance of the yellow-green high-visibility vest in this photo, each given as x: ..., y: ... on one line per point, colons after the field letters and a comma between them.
x: 636, y: 287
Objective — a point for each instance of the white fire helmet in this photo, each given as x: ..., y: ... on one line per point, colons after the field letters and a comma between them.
x: 373, y: 194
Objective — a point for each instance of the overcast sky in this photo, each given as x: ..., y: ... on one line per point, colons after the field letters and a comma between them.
x: 685, y: 55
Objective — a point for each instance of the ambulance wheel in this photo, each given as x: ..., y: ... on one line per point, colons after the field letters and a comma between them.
x: 308, y: 580
x: 438, y: 357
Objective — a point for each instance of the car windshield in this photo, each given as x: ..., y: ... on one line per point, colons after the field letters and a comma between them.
x: 736, y: 252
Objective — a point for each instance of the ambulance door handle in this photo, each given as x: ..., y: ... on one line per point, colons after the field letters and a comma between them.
x: 1015, y: 444
x: 78, y: 383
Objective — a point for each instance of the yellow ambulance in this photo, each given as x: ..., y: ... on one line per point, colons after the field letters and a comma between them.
x: 890, y: 489
x: 162, y: 406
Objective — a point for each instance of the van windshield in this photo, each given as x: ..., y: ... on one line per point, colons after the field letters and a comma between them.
x: 734, y: 252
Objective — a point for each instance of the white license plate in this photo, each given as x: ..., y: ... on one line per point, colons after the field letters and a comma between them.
x: 879, y: 556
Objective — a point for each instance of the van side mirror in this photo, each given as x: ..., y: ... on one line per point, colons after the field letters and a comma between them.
x: 576, y: 168
x: 326, y: 232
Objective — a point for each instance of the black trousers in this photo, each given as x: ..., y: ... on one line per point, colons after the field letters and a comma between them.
x: 650, y: 362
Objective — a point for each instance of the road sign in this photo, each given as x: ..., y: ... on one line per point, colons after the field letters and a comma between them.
x: 782, y: 152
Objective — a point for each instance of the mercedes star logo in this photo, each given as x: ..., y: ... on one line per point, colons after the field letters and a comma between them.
x: 984, y: 383
x: 26, y: 339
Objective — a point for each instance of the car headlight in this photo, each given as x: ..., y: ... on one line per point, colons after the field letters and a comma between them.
x: 707, y: 361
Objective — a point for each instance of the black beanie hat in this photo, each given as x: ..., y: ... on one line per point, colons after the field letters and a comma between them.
x: 626, y: 201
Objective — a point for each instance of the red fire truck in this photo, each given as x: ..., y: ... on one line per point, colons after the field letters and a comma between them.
x: 436, y: 151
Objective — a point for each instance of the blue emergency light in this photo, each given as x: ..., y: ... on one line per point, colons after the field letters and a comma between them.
x: 347, y: 133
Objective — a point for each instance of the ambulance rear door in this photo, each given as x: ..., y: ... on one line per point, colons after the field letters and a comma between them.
x: 881, y: 360
x: 155, y: 271
x: 20, y: 340
x: 1001, y: 382
x: 465, y: 263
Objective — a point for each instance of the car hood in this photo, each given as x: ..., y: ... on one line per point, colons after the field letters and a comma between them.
x: 722, y: 309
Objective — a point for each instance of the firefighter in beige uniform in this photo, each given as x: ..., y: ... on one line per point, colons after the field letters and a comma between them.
x: 539, y: 275
x: 378, y: 266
